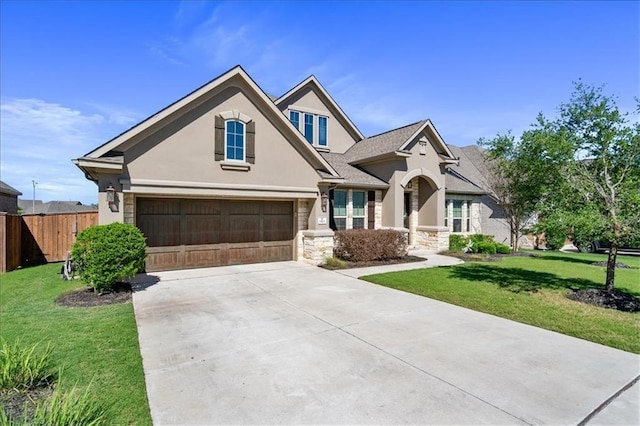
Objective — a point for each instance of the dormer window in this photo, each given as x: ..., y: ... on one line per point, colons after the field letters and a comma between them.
x: 313, y: 126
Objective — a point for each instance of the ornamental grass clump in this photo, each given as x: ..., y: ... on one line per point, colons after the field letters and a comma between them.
x: 23, y: 368
x: 104, y: 254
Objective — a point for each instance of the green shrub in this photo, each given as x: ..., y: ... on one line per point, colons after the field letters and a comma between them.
x: 104, y: 254
x: 24, y: 368
x: 486, y: 247
x: 481, y: 238
x: 457, y: 242
x: 366, y: 245
x: 502, y: 248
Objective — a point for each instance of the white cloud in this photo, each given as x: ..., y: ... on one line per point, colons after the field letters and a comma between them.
x: 38, y: 139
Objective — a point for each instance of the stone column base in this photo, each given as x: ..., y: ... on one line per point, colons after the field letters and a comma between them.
x: 433, y: 238
x: 317, y: 245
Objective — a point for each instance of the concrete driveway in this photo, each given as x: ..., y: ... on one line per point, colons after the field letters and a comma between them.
x: 286, y: 343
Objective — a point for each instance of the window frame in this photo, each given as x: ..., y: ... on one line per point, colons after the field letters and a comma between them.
x: 333, y: 208
x: 353, y: 209
x: 244, y: 140
x: 313, y: 134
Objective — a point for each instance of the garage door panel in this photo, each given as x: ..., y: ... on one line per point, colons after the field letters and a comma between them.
x: 201, y: 229
x: 203, y: 256
x: 160, y: 230
x: 277, y: 228
x: 191, y: 233
x: 244, y: 228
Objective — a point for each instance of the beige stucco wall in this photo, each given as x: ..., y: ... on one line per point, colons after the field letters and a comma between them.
x: 427, y: 166
x: 184, y: 149
x: 307, y: 100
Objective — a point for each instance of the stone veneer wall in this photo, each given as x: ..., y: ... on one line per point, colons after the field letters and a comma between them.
x: 302, y: 218
x: 431, y: 238
x: 318, y: 245
x: 129, y: 208
x: 378, y: 210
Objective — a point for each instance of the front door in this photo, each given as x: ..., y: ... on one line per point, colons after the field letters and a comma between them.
x: 407, y: 209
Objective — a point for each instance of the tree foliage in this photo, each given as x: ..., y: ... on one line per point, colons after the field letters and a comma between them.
x: 599, y: 197
x: 580, y: 173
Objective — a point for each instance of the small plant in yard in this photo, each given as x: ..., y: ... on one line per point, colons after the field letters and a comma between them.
x: 24, y: 368
x: 105, y: 254
x: 72, y: 407
x: 334, y: 263
x: 365, y: 245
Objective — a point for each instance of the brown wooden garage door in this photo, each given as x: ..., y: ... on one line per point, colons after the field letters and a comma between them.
x: 184, y: 233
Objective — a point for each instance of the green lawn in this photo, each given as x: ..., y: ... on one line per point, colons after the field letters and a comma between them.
x: 97, y: 346
x: 532, y: 291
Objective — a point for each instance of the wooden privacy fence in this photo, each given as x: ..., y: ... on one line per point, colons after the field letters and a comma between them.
x: 35, y: 239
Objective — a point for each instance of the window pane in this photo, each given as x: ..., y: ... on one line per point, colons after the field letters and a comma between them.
x: 339, y: 203
x: 358, y: 204
x: 322, y: 131
x: 358, y: 223
x: 294, y: 117
x: 457, y: 225
x: 308, y: 127
x: 457, y: 209
x: 235, y: 140
x: 341, y: 224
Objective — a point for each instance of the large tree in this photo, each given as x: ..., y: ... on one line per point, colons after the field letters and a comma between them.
x: 518, y: 172
x: 601, y: 185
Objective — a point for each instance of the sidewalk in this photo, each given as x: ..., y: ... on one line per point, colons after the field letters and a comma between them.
x: 432, y: 260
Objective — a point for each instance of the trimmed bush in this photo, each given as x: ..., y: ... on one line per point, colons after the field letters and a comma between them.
x: 484, y: 247
x: 457, y: 242
x: 502, y: 248
x: 366, y: 245
x: 104, y: 254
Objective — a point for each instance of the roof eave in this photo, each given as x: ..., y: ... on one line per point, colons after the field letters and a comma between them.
x: 381, y: 157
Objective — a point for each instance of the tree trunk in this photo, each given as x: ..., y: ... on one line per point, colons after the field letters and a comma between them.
x: 611, y: 266
x: 515, y: 227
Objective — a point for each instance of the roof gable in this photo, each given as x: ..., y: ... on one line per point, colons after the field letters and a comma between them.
x: 165, y: 116
x: 397, y: 141
x: 469, y: 175
x: 312, y: 83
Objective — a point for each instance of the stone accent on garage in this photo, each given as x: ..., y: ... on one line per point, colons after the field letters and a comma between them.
x: 302, y: 218
x: 378, y: 210
x: 129, y: 203
x: 318, y: 245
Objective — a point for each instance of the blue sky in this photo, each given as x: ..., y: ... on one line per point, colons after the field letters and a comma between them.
x: 75, y: 74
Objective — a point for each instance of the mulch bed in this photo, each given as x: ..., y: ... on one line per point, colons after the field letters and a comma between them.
x: 15, y: 402
x: 86, y: 297
x: 350, y: 265
x: 607, y: 299
x: 618, y: 265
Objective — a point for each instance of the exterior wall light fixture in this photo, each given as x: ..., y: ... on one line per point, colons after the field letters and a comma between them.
x: 324, y: 202
x: 111, y: 194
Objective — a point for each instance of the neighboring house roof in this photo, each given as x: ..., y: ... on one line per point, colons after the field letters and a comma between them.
x: 8, y: 189
x: 395, y: 141
x: 52, y: 207
x: 313, y: 82
x: 103, y: 158
x: 468, y: 176
x: 353, y: 175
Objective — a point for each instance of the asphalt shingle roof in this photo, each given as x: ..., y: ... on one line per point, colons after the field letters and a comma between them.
x: 383, y: 143
x: 8, y: 189
x: 469, y: 175
x: 351, y: 174
x: 53, y: 207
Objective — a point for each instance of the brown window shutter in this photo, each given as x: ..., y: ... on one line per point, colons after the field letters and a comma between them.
x: 251, y: 142
x: 219, y: 138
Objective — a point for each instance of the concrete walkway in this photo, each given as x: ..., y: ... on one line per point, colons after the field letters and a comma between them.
x: 286, y: 343
x: 432, y: 260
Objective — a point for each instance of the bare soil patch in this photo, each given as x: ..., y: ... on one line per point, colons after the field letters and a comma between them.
x: 16, y: 402
x: 87, y: 297
x: 618, y: 265
x: 614, y: 299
